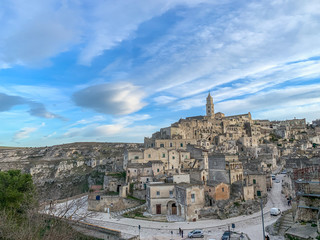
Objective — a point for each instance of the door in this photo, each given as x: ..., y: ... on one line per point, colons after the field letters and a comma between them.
x: 158, y: 208
x: 174, y: 209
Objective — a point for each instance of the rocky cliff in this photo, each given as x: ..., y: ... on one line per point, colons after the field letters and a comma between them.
x: 65, y: 170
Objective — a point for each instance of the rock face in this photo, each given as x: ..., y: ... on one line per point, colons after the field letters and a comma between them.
x: 65, y: 170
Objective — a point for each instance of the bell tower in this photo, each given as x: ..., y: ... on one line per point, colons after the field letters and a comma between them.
x: 210, y: 106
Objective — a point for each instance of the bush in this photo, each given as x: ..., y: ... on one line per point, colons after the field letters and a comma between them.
x: 17, y: 192
x: 237, y: 204
x: 19, y: 213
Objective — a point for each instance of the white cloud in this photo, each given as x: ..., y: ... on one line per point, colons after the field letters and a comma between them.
x: 50, y: 135
x: 93, y: 119
x: 164, y: 99
x: 38, y: 30
x: 24, y: 133
x: 118, y: 99
x: 276, y: 100
x: 116, y: 131
x: 214, y: 48
x: 116, y: 21
x: 123, y: 126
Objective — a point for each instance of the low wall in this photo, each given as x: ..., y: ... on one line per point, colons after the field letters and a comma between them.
x: 113, y: 203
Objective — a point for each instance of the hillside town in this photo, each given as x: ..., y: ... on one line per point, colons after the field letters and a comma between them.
x: 217, y: 167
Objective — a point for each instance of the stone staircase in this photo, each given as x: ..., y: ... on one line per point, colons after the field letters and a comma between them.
x: 118, y: 213
x: 286, y: 222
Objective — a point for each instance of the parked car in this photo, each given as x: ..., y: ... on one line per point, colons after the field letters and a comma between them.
x: 275, y: 211
x: 284, y: 172
x: 226, y: 235
x: 277, y: 180
x: 196, y: 234
x: 273, y: 177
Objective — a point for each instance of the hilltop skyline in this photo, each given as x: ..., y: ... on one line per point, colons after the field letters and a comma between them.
x: 118, y: 71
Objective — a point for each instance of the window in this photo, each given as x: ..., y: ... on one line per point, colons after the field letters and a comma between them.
x: 172, y: 166
x: 222, y: 189
x: 161, y: 145
x: 147, y: 179
x: 171, y: 193
x: 158, y: 170
x: 136, y: 157
x: 181, y: 144
x: 163, y: 155
x: 149, y: 155
x: 254, y: 181
x: 173, y: 157
x: 170, y: 144
x: 158, y: 193
x: 192, y: 197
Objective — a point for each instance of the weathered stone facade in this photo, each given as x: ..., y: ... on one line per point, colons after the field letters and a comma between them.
x: 184, y: 200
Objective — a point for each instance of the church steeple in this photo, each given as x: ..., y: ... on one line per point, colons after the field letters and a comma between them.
x: 210, y: 106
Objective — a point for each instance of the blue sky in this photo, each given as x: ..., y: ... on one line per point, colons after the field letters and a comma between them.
x: 77, y: 70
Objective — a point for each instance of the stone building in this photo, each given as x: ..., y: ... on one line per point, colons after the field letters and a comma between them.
x: 258, y: 181
x: 235, y: 169
x: 218, y: 191
x: 142, y: 173
x: 220, y: 168
x: 183, y: 200
x: 132, y: 155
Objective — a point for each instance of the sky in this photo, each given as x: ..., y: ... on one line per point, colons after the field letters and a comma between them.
x: 117, y: 71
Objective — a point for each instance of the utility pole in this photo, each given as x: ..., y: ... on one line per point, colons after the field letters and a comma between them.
x: 264, y: 237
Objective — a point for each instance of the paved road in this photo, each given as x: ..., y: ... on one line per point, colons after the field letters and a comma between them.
x: 249, y: 224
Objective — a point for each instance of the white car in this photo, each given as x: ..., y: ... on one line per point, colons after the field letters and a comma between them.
x: 196, y: 234
x: 275, y: 211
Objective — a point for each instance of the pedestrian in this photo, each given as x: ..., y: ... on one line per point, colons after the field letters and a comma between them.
x: 268, y: 237
x: 181, y: 233
x: 288, y: 202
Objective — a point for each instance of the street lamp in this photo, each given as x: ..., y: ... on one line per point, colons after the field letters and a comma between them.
x: 261, y: 206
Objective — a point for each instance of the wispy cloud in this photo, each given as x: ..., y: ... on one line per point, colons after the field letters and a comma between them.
x: 25, y: 132
x: 36, y: 31
x: 121, y: 128
x: 275, y: 101
x: 35, y: 109
x: 214, y: 48
x: 117, y: 99
x: 93, y: 119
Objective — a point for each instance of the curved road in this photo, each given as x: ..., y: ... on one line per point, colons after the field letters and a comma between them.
x: 213, y: 229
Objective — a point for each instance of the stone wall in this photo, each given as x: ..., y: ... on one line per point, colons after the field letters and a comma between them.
x: 114, y: 203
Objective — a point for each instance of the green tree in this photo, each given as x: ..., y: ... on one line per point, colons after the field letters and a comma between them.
x: 16, y: 191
